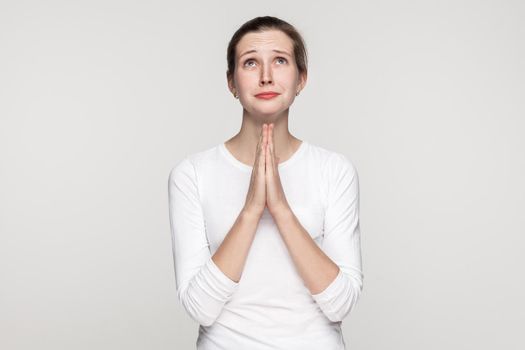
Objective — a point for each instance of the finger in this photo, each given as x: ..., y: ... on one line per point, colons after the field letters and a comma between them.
x: 259, y: 144
x: 263, y: 136
x: 266, y: 161
x: 256, y: 157
x: 272, y: 153
x: 256, y: 162
x: 273, y: 140
x: 267, y: 139
x: 269, y: 163
x: 263, y: 149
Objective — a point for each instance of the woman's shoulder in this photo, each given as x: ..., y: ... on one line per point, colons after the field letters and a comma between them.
x: 189, y: 163
x: 330, y: 159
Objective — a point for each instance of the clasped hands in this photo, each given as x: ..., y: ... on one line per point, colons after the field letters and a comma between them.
x: 265, y: 184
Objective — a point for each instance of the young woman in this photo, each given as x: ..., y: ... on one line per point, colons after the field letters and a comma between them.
x: 265, y: 226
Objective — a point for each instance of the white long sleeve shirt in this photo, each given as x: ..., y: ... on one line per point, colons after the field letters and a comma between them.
x: 270, y: 307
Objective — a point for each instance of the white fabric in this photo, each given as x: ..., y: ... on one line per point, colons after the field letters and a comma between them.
x: 270, y: 307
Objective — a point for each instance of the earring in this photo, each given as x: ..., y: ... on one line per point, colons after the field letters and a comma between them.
x: 297, y: 94
x: 235, y: 95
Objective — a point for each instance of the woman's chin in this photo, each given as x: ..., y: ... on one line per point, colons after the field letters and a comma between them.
x: 268, y: 112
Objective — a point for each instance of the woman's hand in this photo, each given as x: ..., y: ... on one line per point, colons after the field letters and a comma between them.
x: 256, y: 197
x: 275, y: 197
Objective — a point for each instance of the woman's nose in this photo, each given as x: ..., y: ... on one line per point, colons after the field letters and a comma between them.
x: 266, y: 76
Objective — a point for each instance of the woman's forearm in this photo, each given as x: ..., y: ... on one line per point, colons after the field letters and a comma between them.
x: 231, y: 255
x: 314, y: 266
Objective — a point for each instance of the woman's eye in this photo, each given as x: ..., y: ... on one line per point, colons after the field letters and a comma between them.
x: 246, y: 63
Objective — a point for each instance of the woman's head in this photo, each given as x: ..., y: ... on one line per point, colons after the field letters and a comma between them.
x: 266, y: 54
x: 260, y: 24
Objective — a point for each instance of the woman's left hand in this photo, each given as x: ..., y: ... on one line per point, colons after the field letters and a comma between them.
x: 275, y: 197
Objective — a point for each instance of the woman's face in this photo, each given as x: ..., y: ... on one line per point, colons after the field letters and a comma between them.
x: 265, y: 62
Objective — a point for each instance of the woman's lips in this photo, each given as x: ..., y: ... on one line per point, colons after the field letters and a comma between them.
x: 266, y: 96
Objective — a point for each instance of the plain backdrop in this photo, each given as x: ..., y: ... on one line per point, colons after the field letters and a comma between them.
x: 100, y: 99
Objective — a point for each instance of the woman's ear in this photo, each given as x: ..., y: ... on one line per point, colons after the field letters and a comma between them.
x: 302, y: 80
x: 231, y: 85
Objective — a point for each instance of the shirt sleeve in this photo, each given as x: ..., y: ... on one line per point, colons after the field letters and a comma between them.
x: 202, y: 288
x: 342, y: 240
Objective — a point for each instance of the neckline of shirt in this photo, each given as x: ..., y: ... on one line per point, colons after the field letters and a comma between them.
x: 245, y: 167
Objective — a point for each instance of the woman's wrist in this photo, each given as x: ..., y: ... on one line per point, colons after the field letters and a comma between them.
x: 252, y: 213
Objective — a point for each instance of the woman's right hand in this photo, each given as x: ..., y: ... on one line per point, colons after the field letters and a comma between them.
x: 256, y: 197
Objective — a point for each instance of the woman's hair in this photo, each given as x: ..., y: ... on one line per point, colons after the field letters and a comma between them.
x: 259, y: 24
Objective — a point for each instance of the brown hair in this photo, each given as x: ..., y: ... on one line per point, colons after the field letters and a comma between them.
x: 259, y: 24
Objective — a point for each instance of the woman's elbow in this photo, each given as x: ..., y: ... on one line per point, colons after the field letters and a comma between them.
x: 351, y: 298
x: 195, y: 309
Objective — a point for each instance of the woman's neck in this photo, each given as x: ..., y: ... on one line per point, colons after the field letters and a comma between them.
x: 243, y: 145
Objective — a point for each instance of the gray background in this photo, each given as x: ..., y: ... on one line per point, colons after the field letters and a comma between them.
x: 100, y: 99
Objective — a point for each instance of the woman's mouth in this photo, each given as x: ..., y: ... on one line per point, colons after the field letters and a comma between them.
x: 267, y: 95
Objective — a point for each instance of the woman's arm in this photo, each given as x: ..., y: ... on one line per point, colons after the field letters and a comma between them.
x: 231, y: 255
x: 315, y: 267
x: 332, y: 272
x: 204, y: 283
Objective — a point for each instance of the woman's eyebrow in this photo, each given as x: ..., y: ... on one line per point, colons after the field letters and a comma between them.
x: 278, y: 51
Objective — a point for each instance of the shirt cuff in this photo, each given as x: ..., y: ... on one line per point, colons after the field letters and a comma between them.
x: 332, y: 291
x: 221, y: 281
